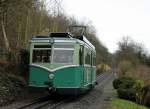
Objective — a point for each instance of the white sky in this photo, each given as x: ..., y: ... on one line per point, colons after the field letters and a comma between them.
x: 114, y: 19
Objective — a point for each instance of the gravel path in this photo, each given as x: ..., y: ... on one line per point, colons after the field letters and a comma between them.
x: 98, y: 98
x: 107, y: 95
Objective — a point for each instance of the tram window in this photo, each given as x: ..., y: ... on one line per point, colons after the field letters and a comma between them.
x: 63, y: 46
x: 94, y: 61
x: 87, y: 57
x: 63, y: 56
x: 42, y: 46
x: 41, y: 56
x: 81, y: 55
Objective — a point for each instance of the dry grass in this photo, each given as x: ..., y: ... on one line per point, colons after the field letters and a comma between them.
x: 124, y: 104
x: 141, y: 72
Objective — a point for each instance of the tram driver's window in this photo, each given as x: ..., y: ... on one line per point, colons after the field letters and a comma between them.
x: 41, y: 56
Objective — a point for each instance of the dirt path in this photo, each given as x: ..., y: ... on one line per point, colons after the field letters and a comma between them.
x: 107, y: 95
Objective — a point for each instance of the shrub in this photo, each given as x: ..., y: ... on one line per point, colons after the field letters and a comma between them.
x: 129, y: 94
x: 139, y: 84
x: 3, y: 65
x: 146, y: 95
x: 124, y: 82
x: 10, y: 87
x: 24, y: 60
x: 128, y: 88
x: 124, y: 66
x: 6, y: 65
x: 99, y: 69
x: 116, y: 83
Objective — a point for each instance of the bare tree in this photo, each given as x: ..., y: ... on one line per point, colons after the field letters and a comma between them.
x: 3, y: 14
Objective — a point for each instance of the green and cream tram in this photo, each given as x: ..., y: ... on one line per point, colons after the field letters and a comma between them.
x: 62, y: 63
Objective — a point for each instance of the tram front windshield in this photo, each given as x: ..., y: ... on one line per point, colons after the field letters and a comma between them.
x: 63, y: 54
x: 41, y: 54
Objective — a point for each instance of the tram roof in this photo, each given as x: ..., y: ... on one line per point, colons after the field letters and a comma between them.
x: 61, y: 37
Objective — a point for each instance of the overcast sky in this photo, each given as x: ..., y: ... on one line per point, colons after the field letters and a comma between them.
x: 114, y: 19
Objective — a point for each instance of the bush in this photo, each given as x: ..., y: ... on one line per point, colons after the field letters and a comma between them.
x: 24, y: 61
x: 124, y: 66
x: 124, y: 82
x: 128, y: 88
x: 129, y: 94
x: 8, y: 66
x: 146, y: 95
x: 10, y: 87
x: 116, y: 83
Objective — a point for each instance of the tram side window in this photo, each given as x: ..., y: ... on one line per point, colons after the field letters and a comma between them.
x: 94, y: 61
x: 41, y: 56
x: 87, y: 57
x: 81, y: 55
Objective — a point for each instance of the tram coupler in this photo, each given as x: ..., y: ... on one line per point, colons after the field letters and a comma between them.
x: 49, y: 83
x: 96, y: 83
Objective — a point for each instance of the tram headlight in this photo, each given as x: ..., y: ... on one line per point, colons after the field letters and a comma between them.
x: 51, y: 76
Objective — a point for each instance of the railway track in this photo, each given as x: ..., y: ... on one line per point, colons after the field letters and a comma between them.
x: 55, y: 105
x: 48, y: 102
x: 34, y: 102
x: 51, y: 102
x: 103, y: 77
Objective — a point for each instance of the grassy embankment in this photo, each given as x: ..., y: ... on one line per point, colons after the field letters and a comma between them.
x: 124, y: 104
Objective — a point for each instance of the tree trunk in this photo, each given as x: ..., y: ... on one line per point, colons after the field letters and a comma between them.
x: 41, y: 17
x: 26, y: 30
x: 5, y: 36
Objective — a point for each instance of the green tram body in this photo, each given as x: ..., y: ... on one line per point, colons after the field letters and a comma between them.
x: 63, y: 64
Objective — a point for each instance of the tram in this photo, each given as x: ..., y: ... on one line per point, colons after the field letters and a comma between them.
x: 62, y: 63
